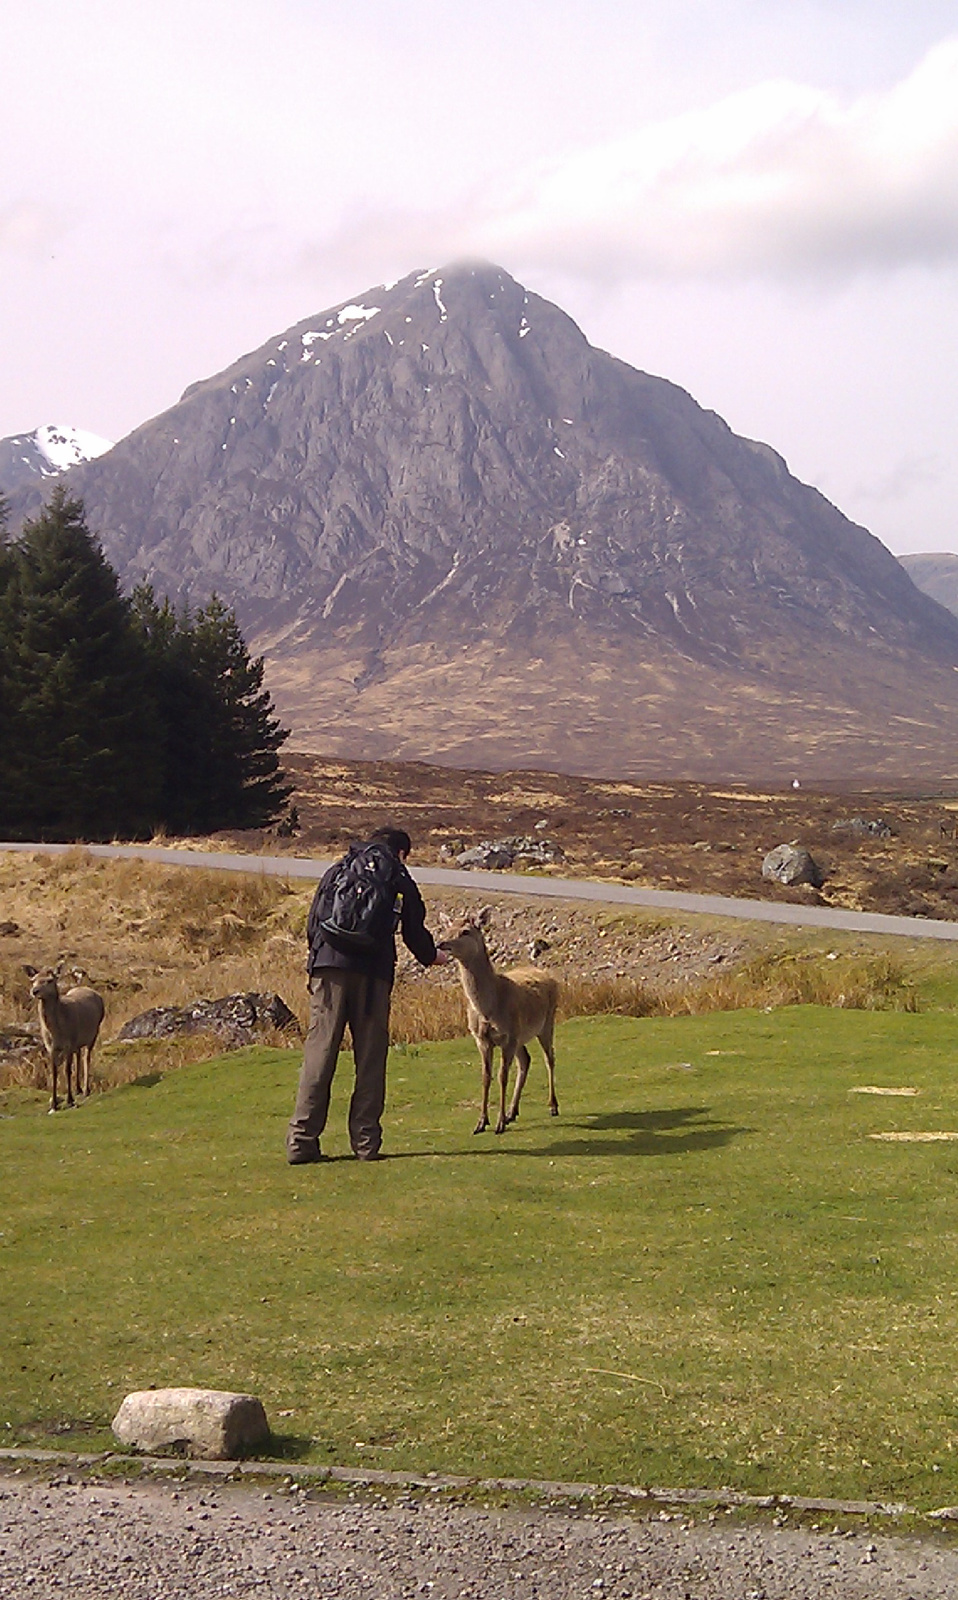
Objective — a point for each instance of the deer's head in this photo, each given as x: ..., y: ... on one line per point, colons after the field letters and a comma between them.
x: 44, y: 985
x: 467, y: 945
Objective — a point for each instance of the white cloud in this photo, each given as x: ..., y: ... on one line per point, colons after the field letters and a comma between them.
x: 778, y: 179
x: 911, y: 473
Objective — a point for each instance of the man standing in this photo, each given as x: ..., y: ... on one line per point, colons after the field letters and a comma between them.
x: 360, y: 904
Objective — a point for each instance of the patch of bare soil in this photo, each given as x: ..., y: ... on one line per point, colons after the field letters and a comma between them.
x: 573, y: 940
x: 880, y: 851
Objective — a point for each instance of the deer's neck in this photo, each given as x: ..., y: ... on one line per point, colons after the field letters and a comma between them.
x: 479, y: 983
x: 50, y: 1013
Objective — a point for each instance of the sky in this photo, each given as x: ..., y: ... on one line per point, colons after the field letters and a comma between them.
x: 757, y: 199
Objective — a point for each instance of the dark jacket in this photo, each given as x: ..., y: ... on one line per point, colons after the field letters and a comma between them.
x: 379, y: 963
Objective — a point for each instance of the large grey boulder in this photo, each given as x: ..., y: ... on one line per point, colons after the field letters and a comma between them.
x: 208, y: 1424
x: 792, y: 864
x: 234, y: 1018
x: 491, y: 855
x: 517, y: 850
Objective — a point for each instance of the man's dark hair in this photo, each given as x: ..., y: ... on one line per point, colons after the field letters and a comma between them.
x: 395, y: 839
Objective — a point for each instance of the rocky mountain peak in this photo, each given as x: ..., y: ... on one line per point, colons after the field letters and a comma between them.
x: 45, y: 453
x: 438, y: 493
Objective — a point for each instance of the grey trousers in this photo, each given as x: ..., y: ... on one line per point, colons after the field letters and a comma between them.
x: 335, y: 999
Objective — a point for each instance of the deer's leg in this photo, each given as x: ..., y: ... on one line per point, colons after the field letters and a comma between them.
x: 83, y: 1070
x: 71, y: 1057
x: 54, y: 1063
x: 485, y: 1051
x: 508, y: 1050
x: 522, y: 1072
x: 545, y: 1039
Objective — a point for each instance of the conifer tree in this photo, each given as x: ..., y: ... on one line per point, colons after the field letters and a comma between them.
x: 243, y: 783
x: 180, y: 702
x: 220, y: 736
x: 85, y: 756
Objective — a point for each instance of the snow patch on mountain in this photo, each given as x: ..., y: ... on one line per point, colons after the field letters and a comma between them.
x: 63, y: 447
x: 358, y: 313
x: 45, y: 453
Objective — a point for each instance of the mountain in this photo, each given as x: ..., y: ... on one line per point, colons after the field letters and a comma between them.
x: 935, y: 574
x: 459, y: 532
x: 45, y: 453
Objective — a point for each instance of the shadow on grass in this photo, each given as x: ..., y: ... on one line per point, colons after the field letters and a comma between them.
x: 677, y: 1131
x: 90, y: 1433
x: 64, y: 1433
x: 646, y: 1121
x: 290, y: 1446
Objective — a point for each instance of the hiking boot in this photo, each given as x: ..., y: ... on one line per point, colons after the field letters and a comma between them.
x: 304, y: 1154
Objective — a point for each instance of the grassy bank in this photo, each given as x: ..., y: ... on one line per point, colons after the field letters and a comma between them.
x: 705, y: 1272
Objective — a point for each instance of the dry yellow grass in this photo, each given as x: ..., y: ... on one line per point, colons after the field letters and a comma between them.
x: 144, y: 935
x: 148, y: 935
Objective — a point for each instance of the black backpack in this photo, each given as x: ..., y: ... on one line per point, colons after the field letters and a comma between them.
x: 356, y: 908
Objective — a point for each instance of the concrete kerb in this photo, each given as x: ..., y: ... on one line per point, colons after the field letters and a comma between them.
x: 545, y: 1490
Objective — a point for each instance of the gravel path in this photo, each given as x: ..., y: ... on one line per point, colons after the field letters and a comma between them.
x: 160, y: 1541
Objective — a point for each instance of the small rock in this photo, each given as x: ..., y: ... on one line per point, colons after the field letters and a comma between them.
x: 488, y: 856
x: 791, y: 864
x: 207, y: 1424
x: 21, y: 1044
x: 9, y: 930
x: 875, y: 828
x: 537, y: 852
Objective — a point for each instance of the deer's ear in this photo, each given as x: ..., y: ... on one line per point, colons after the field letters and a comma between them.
x: 31, y: 972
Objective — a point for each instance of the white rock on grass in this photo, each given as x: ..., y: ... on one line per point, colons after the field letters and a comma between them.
x: 210, y: 1424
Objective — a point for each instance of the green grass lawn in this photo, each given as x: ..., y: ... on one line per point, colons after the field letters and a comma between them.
x: 705, y: 1272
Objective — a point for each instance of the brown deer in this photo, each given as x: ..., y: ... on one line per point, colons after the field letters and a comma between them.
x: 69, y: 1024
x: 505, y: 1010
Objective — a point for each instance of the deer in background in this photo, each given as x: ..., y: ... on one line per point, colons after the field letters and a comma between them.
x: 505, y: 1010
x: 69, y: 1024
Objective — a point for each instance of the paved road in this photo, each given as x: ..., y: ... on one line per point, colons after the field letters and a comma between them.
x: 594, y: 890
